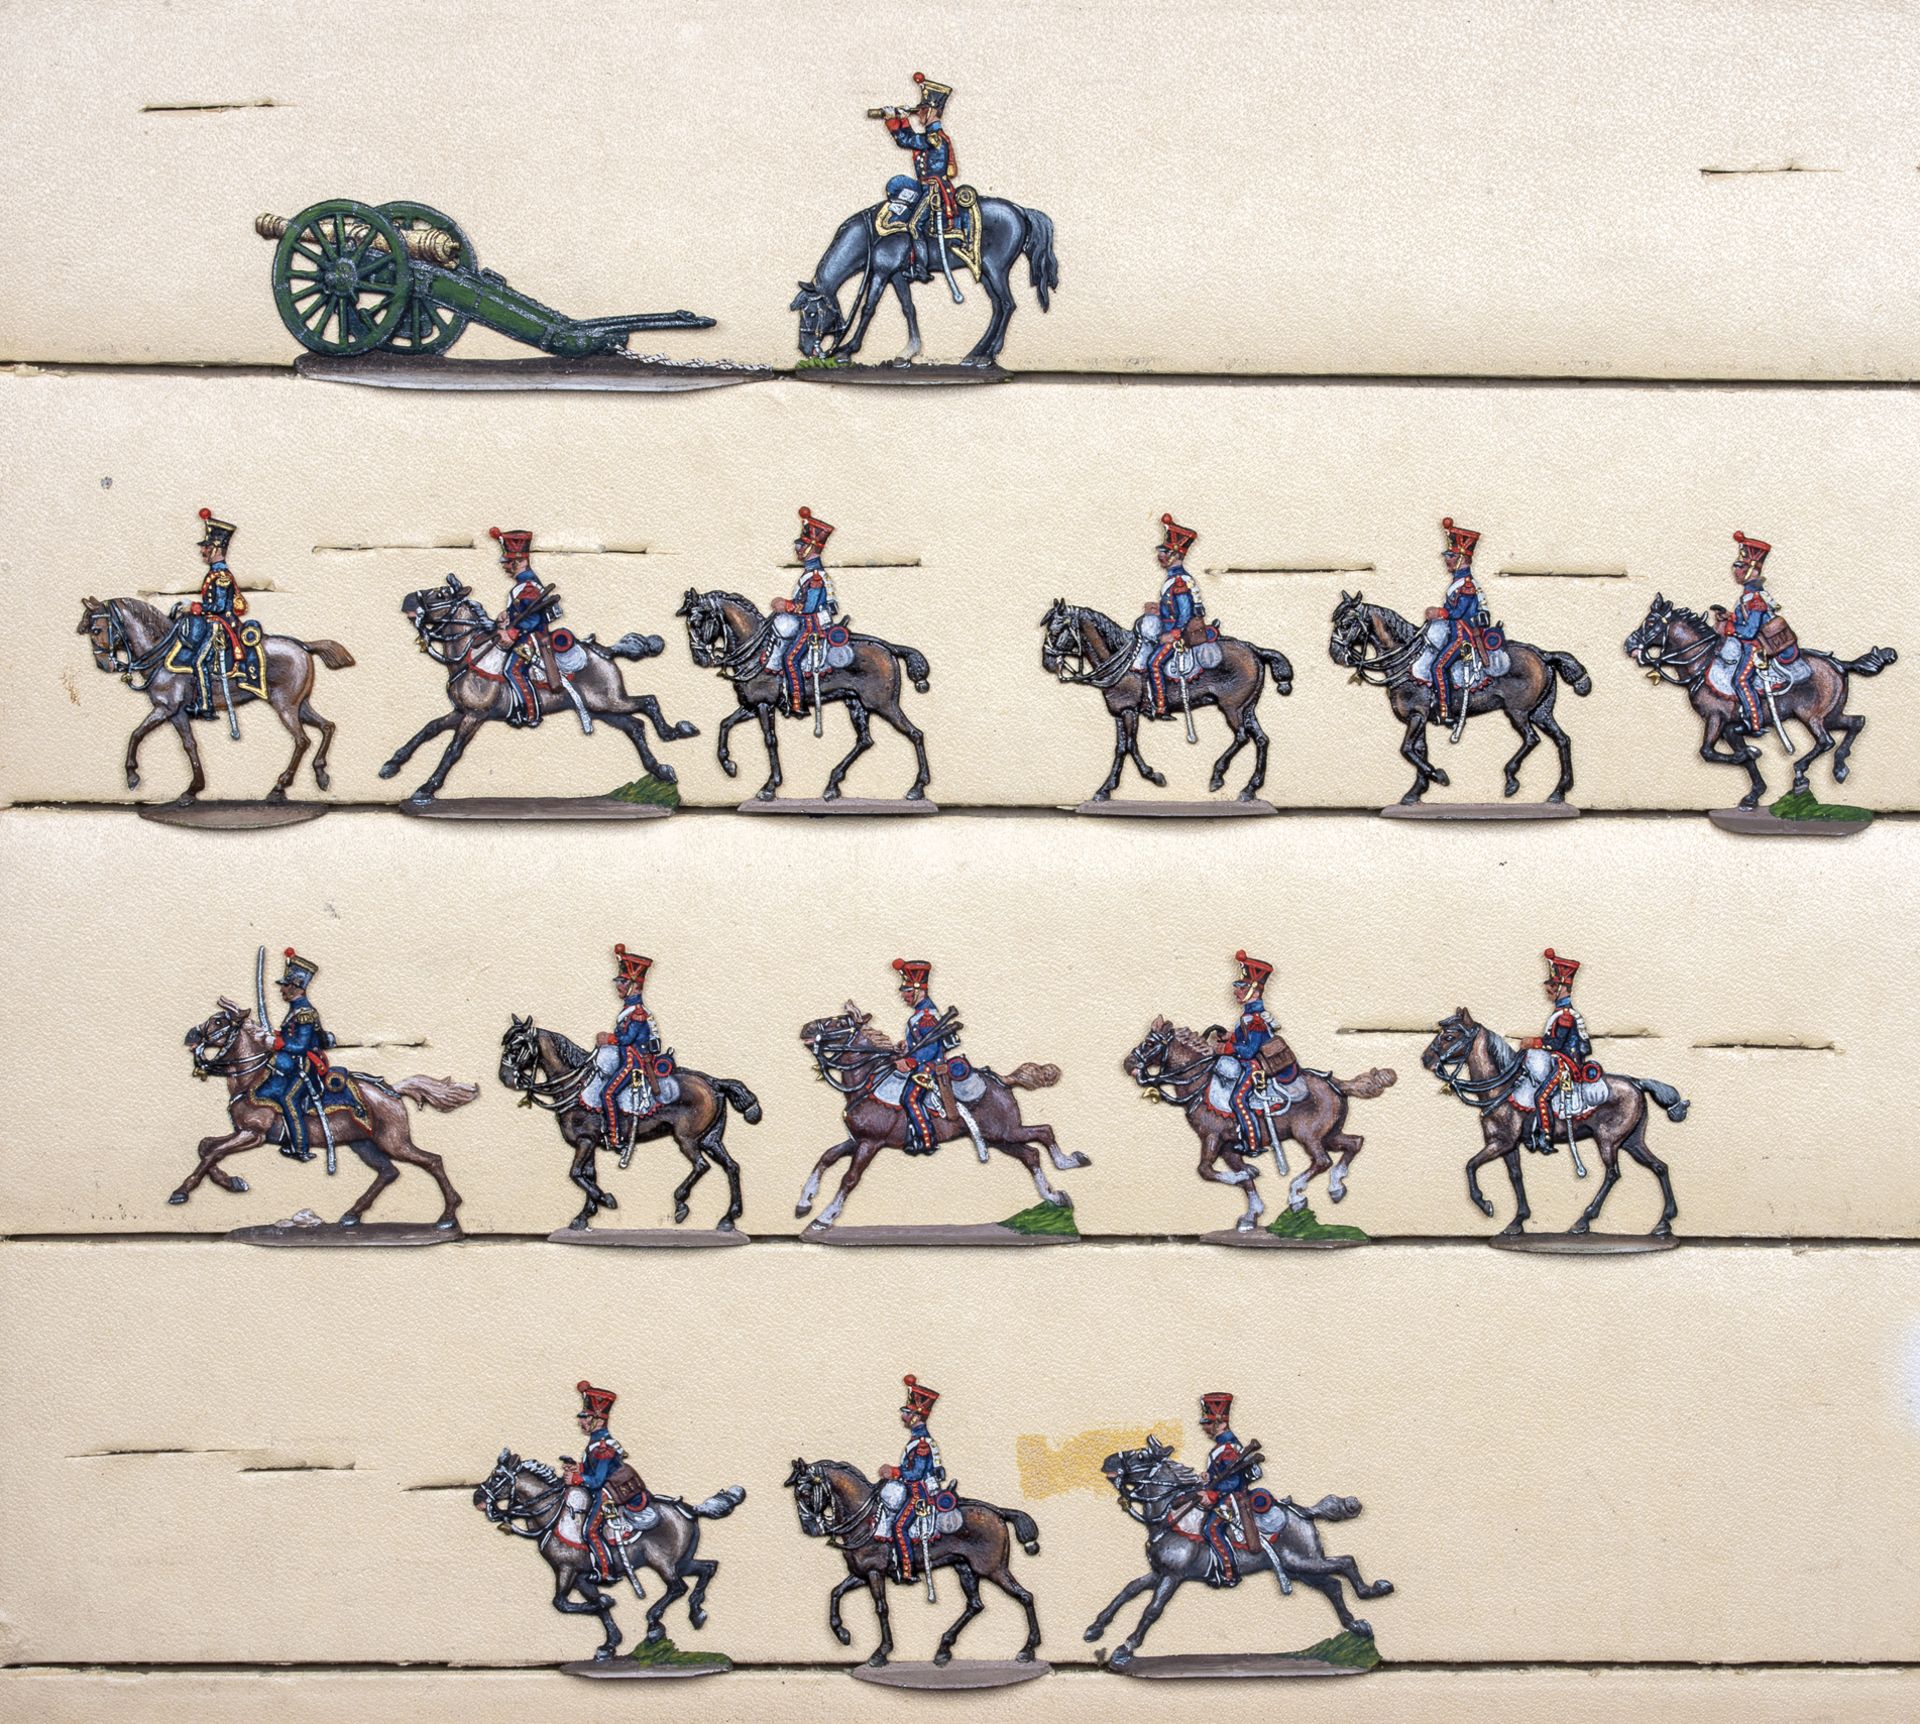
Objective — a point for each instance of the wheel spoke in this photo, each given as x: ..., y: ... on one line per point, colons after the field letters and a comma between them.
x: 306, y: 293
x: 308, y: 252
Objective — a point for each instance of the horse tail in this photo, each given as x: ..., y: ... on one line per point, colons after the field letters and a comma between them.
x: 633, y: 645
x: 1375, y: 1080
x: 1331, y: 1508
x: 1570, y: 668
x: 441, y: 1094
x: 719, y: 1505
x: 1043, y: 268
x: 1031, y: 1075
x: 1278, y: 664
x: 743, y: 1099
x: 1871, y: 662
x: 1665, y: 1095
x: 336, y: 657
x: 914, y: 662
x: 1023, y: 1527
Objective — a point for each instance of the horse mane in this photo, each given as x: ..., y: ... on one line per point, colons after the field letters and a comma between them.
x: 1178, y: 1472
x: 140, y: 610
x: 1681, y: 614
x: 740, y: 599
x: 1191, y: 1038
x: 854, y: 1475
x: 540, y: 1470
x: 568, y: 1049
x: 1108, y: 630
x: 1498, y: 1045
x: 1397, y: 625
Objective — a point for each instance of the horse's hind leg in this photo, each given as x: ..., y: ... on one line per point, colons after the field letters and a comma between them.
x: 895, y: 715
x: 1852, y: 725
x: 676, y: 1589
x: 716, y: 1150
x: 703, y: 1569
x: 1346, y: 1145
x: 1529, y: 741
x: 963, y: 1572
x: 696, y: 1154
x: 1610, y: 1156
x: 1563, y: 745
x: 987, y: 349
x: 289, y: 715
x: 1317, y: 1572
x: 839, y: 1152
x: 648, y: 706
x: 1258, y: 732
x: 1822, y: 744
x: 1029, y: 1158
x: 384, y: 1174
x: 1239, y: 739
x: 636, y: 733
x: 862, y: 741
x: 1318, y: 1162
x: 1636, y: 1146
x: 1002, y: 1577
x: 396, y: 1141
x: 309, y: 714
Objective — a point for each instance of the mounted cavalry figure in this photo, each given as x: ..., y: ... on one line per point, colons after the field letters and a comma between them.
x: 914, y: 1522
x: 283, y: 1089
x: 802, y: 657
x: 597, y: 1524
x: 626, y: 1090
x: 1219, y: 1527
x: 1547, y: 1092
x: 927, y: 220
x: 921, y: 1092
x: 206, y: 660
x: 1457, y: 664
x: 521, y: 667
x: 1747, y: 674
x: 1243, y: 1093
x: 1172, y: 661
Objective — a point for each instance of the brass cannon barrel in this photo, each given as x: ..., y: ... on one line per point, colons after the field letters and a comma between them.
x: 429, y: 245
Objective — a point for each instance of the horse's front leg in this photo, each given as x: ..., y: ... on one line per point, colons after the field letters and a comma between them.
x: 869, y: 304
x: 289, y: 715
x: 1133, y: 1589
x: 726, y: 726
x: 1112, y: 782
x: 401, y: 755
x: 216, y: 1149
x: 1130, y: 729
x: 811, y: 1190
x: 154, y: 719
x: 1164, y: 1587
x: 851, y: 1584
x: 904, y: 294
x: 767, y: 722
x: 463, y: 731
x: 877, y: 1585
x: 1413, y: 747
x: 1491, y: 1149
x: 183, y: 723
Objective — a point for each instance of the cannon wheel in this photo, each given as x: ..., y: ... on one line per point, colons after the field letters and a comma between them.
x: 337, y: 293
x: 427, y: 327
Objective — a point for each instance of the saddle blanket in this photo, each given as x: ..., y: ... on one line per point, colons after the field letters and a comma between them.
x: 894, y: 214
x: 1497, y: 661
x: 968, y: 1085
x: 1186, y: 660
x: 1774, y: 676
x: 247, y: 677
x: 606, y: 1061
x: 1566, y: 1102
x: 831, y: 649
x: 1275, y: 1098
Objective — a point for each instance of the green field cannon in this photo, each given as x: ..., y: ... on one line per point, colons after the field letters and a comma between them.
x: 351, y: 277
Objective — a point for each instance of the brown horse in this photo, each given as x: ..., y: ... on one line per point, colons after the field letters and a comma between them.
x: 1176, y: 1065
x: 1482, y: 1068
x: 1380, y: 647
x: 129, y: 638
x: 230, y: 1045
x: 550, y: 1071
x: 530, y: 1500
x: 856, y: 1059
x: 726, y: 633
x: 837, y: 1502
x: 454, y: 630
x: 1086, y: 646
x: 1679, y: 646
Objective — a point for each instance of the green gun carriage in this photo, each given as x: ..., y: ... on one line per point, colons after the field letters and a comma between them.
x: 351, y: 278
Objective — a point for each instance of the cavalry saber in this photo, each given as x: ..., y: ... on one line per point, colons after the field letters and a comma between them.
x: 926, y: 1556
x: 1573, y: 1149
x: 1466, y: 695
x: 1767, y: 688
x: 1186, y: 706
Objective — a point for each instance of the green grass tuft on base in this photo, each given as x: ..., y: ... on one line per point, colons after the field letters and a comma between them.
x: 1804, y: 805
x: 649, y: 791
x: 826, y: 362
x: 664, y: 1652
x: 1351, y: 1651
x: 1044, y: 1218
x: 1300, y: 1224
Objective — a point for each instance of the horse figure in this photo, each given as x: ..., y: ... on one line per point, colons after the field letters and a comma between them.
x: 550, y: 1071
x: 530, y: 1500
x: 1084, y: 646
x: 1482, y: 1068
x: 1008, y: 232
x: 1380, y: 647
x: 454, y: 630
x: 1164, y: 1497
x: 231, y: 1045
x: 837, y: 1502
x: 131, y: 638
x: 1176, y: 1065
x: 857, y: 1060
x: 1676, y: 645
x: 726, y: 633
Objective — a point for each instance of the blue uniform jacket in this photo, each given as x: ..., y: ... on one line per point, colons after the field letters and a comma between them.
x: 925, y: 1045
x: 932, y: 153
x: 1226, y: 1471
x: 1562, y: 1034
x: 634, y: 1027
x: 1463, y: 600
x: 1176, y: 596
x: 302, y: 1039
x: 1253, y: 1032
x: 1751, y: 613
x: 811, y: 594
x: 917, y: 1464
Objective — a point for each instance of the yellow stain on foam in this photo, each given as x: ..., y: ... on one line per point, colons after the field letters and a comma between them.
x: 1048, y: 1469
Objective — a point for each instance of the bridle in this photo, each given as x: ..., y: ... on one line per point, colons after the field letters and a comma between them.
x: 521, y: 1046
x: 1348, y: 645
x: 1165, y: 1082
x: 220, y: 1061
x: 815, y: 1507
x: 1450, y: 1064
x: 1683, y: 668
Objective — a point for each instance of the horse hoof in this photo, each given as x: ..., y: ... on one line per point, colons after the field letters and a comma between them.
x: 728, y: 767
x: 322, y: 777
x: 841, y: 1635
x: 1024, y: 1655
x: 238, y: 1184
x: 1217, y: 780
x: 1082, y: 1159
x: 1484, y: 1206
x: 665, y: 774
x: 276, y: 794
x: 1513, y: 788
x: 1440, y: 778
x: 723, y: 1225
x: 764, y: 795
x: 1579, y: 1227
x: 876, y: 1662
x: 831, y: 793
x: 446, y: 1224
x: 943, y: 1656
x: 1122, y: 1657
x: 1363, y: 1629
x: 133, y: 781
x: 1663, y: 1231
x: 607, y: 1200
x: 680, y: 1212
x: 390, y: 770
x: 349, y: 1221
x: 1840, y: 773
x: 178, y: 1197
x: 421, y: 799
x: 1512, y: 1230
x: 1381, y: 1588
x: 686, y: 727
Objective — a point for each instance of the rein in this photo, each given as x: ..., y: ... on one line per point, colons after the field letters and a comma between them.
x: 1387, y: 665
x: 1484, y: 1093
x: 555, y: 1094
x: 1153, y: 1051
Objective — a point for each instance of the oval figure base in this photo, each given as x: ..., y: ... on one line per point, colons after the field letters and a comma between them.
x: 649, y: 1238
x: 232, y: 816
x: 1758, y: 823
x: 838, y: 805
x: 898, y: 375
x: 604, y: 372
x: 533, y: 808
x: 1259, y: 1239
x: 958, y: 1674
x: 1481, y: 811
x: 1141, y: 808
x: 332, y: 1236
x: 959, y: 1233
x: 630, y: 1670
x: 1191, y: 1666
x: 1584, y: 1244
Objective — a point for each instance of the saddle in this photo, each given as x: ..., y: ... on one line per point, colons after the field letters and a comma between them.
x: 1232, y: 1557
x: 343, y: 1092
x: 904, y: 1562
x: 962, y: 232
x: 245, y: 679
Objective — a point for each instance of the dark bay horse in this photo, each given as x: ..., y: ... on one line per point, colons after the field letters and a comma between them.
x: 854, y: 1059
x: 232, y: 1046
x: 1380, y: 647
x: 1676, y: 645
x: 530, y: 1500
x: 726, y: 633
x: 1482, y: 1068
x: 455, y: 630
x: 1176, y: 1065
x: 1085, y: 646
x: 837, y: 1502
x: 128, y: 637
x: 550, y: 1071
x: 1165, y: 1497
x: 1008, y: 233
